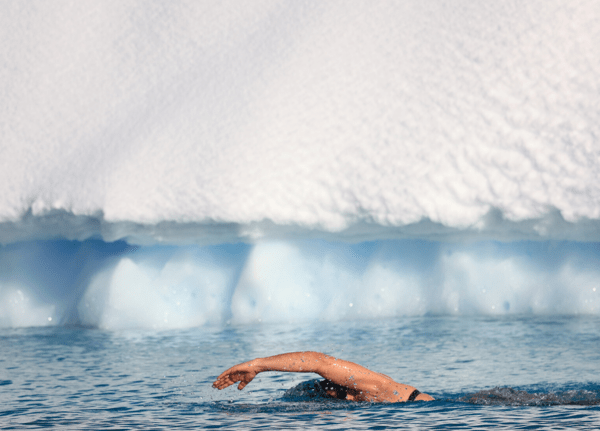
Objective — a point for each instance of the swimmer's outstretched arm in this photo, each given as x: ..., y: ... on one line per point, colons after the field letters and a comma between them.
x: 362, y: 384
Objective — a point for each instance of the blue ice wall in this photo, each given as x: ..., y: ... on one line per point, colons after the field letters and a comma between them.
x: 114, y: 285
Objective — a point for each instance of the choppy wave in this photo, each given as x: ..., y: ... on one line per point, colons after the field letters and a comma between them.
x: 515, y: 397
x: 308, y: 396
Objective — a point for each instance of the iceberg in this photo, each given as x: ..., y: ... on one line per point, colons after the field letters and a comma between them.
x: 189, y: 163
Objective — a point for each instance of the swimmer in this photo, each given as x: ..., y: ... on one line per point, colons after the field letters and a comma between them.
x: 343, y: 379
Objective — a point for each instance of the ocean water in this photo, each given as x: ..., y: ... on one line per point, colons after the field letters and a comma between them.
x: 508, y: 372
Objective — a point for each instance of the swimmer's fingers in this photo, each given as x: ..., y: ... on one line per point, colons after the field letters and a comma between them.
x: 222, y: 383
x: 228, y: 380
x: 234, y: 375
x: 243, y: 384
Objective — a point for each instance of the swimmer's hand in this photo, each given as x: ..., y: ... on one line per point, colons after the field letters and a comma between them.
x: 243, y: 373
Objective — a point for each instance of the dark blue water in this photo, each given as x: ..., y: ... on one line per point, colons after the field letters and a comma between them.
x: 503, y: 373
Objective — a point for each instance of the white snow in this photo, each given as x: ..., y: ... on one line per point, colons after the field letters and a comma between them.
x: 293, y: 118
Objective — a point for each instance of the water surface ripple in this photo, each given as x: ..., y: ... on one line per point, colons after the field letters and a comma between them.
x: 505, y: 373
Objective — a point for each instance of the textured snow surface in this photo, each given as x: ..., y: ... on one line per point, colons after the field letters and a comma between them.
x: 223, y: 120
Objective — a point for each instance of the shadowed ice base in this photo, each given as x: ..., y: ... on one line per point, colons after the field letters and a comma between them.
x: 118, y: 286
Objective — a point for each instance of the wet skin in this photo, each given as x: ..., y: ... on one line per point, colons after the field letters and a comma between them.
x: 344, y: 379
